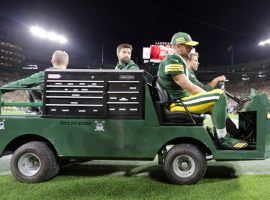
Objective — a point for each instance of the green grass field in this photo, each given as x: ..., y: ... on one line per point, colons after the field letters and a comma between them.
x: 110, y: 187
x: 143, y: 180
x: 13, y: 112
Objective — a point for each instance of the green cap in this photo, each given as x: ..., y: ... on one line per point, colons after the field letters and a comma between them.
x: 183, y: 38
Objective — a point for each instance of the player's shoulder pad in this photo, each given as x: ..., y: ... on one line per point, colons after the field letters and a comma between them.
x: 175, y: 59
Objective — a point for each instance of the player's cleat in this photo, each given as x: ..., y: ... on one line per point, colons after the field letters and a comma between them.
x: 228, y: 142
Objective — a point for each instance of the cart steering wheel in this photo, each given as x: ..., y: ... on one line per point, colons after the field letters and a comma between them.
x: 239, y: 100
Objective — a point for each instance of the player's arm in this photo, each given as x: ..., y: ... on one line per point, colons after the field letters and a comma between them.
x: 176, y: 69
x: 28, y: 82
x: 195, y: 81
x: 215, y: 81
x: 184, y: 83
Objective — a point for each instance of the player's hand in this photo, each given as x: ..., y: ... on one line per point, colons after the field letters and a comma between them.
x: 220, y: 79
x: 215, y: 81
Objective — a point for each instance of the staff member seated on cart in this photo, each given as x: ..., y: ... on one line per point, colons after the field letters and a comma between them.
x: 192, y: 65
x: 173, y: 75
x: 59, y: 60
x: 123, y: 52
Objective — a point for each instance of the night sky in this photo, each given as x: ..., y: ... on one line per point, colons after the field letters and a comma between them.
x: 217, y: 25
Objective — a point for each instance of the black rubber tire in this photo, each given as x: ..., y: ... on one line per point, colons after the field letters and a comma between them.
x: 49, y: 166
x: 195, y: 159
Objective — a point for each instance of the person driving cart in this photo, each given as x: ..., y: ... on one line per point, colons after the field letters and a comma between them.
x: 174, y: 77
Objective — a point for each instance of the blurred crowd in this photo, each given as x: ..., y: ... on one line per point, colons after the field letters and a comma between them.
x: 7, y: 77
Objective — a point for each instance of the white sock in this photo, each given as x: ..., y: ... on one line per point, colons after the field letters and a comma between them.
x: 221, y: 133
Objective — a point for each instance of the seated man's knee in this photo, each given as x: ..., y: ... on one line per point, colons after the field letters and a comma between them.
x: 221, y: 94
x: 218, y: 91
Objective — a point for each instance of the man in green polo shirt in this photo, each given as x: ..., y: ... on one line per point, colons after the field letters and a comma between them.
x: 174, y: 76
x: 123, y: 52
x: 193, y: 64
x: 59, y: 60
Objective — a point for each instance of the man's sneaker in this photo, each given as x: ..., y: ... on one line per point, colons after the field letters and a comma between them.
x: 230, y: 143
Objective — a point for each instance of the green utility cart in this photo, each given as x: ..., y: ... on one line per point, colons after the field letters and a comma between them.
x: 120, y: 115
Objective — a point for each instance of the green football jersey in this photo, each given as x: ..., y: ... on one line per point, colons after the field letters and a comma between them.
x: 173, y: 65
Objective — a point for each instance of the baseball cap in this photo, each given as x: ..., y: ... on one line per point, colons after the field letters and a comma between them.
x: 183, y: 38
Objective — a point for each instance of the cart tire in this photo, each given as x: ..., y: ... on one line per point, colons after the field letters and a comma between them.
x: 184, y: 164
x: 34, y: 162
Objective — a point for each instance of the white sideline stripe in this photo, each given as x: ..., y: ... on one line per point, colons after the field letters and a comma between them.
x: 236, y: 122
x: 200, y: 100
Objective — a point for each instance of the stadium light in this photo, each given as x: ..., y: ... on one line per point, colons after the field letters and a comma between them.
x: 52, y: 36
x: 262, y: 43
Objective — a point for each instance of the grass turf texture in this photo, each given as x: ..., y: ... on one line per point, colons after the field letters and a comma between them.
x: 13, y: 112
x: 111, y: 187
x: 143, y: 180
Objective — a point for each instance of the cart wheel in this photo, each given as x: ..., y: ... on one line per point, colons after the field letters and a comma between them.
x: 185, y: 164
x: 34, y: 162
